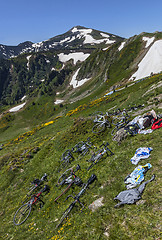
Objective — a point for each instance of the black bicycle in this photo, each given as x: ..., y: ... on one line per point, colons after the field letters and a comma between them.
x: 77, y: 199
x: 24, y: 211
x: 66, y: 158
x: 95, y: 158
x: 82, y: 148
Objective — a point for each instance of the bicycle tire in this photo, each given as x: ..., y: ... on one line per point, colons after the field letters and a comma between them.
x: 24, y: 210
x: 114, y: 131
x: 108, y: 124
x: 64, y: 176
x: 66, y: 159
x: 117, y: 120
x: 99, y: 127
x: 65, y: 214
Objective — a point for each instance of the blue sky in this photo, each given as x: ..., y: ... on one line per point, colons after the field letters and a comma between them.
x: 33, y: 20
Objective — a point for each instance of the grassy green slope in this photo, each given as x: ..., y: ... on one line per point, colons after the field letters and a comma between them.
x: 28, y: 156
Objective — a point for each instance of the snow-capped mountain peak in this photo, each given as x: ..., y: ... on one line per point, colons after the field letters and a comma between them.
x: 76, y: 38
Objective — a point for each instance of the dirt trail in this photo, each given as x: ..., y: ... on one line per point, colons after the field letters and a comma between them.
x: 124, y: 101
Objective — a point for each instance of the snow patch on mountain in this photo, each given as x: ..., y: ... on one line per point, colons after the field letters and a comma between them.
x: 65, y: 40
x: 58, y: 101
x: 72, y: 39
x: 17, y: 108
x: 88, y: 38
x: 148, y: 41
x: 77, y: 56
x: 37, y: 45
x: 151, y: 63
x: 91, y: 40
x: 22, y: 99
x: 28, y: 58
x: 121, y: 46
x: 75, y: 83
x: 82, y: 31
x: 105, y: 35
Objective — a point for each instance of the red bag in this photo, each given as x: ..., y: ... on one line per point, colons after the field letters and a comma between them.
x: 157, y: 124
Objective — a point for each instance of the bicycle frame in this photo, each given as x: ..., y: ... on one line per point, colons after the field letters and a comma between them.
x: 82, y: 147
x: 77, y: 199
x: 36, y: 183
x: 35, y: 197
x: 101, y: 122
x: 99, y: 154
x: 69, y: 181
x: 24, y: 211
x: 66, y: 158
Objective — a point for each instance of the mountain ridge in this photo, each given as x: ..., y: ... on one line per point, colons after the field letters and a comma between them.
x: 77, y: 37
x: 73, y: 69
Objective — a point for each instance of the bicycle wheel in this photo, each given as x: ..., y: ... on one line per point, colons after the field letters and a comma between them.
x: 66, y: 159
x: 65, y: 214
x: 99, y: 127
x: 117, y: 120
x: 114, y: 131
x: 64, y: 176
x: 22, y: 214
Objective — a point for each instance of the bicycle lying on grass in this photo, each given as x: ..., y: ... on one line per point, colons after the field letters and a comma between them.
x: 95, y: 158
x: 119, y: 121
x: 66, y: 159
x: 24, y: 211
x: 101, y: 122
x: 68, y: 178
x: 76, y: 199
x: 82, y: 148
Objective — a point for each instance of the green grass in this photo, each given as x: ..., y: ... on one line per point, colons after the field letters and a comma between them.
x: 17, y: 170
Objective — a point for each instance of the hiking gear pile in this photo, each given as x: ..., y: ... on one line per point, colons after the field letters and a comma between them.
x: 139, y: 125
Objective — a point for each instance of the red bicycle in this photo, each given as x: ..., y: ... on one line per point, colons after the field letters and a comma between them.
x: 69, y: 178
x: 24, y: 211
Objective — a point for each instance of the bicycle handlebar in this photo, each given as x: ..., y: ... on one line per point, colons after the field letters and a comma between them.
x: 90, y: 181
